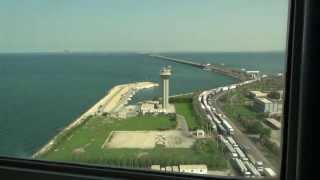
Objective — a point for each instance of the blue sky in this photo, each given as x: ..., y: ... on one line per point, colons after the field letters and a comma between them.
x: 142, y: 25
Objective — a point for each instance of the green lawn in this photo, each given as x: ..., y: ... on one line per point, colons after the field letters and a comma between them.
x: 233, y: 111
x: 96, y: 130
x: 186, y: 110
x: 92, y: 134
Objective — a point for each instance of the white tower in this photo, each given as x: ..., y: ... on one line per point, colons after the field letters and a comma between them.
x: 165, y: 74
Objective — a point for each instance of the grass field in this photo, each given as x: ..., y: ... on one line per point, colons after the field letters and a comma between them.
x: 93, y: 133
x: 185, y: 109
x: 90, y: 136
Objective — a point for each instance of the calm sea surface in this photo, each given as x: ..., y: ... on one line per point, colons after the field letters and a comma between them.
x: 42, y: 93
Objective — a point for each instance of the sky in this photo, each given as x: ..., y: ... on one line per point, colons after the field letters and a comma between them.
x: 143, y: 25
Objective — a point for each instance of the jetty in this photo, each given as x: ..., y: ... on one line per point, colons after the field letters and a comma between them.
x: 235, y: 73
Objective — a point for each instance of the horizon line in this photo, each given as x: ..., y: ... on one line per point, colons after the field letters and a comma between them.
x: 133, y: 52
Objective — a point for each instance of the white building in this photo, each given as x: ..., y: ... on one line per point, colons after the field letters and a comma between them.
x: 257, y: 94
x: 155, y: 167
x: 183, y: 168
x: 200, y: 133
x: 254, y: 74
x: 265, y: 105
x: 165, y: 74
x: 152, y: 107
x: 194, y: 168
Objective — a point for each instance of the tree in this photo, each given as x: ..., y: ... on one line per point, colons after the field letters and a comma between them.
x: 265, y: 134
x: 274, y: 95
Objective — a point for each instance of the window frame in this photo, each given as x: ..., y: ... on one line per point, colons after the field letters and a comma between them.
x: 11, y: 167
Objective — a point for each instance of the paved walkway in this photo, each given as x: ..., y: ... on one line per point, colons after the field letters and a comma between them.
x: 182, y: 124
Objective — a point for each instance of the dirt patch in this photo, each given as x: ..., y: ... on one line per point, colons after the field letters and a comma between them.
x: 78, y: 151
x: 140, y: 155
x: 148, y: 139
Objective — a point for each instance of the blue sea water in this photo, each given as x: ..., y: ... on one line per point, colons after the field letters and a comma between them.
x: 40, y: 93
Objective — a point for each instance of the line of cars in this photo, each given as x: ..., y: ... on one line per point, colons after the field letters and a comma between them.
x: 242, y: 161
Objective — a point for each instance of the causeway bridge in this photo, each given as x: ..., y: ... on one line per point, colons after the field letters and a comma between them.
x: 235, y: 73
x: 181, y: 61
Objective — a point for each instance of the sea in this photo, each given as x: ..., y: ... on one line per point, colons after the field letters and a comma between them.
x: 41, y: 93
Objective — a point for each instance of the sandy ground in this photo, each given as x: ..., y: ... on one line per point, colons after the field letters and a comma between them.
x: 115, y: 97
x: 118, y: 96
x: 148, y: 139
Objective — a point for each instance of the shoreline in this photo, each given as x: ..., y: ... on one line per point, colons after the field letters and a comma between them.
x: 106, y: 104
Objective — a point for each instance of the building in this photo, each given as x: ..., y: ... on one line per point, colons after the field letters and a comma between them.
x: 257, y: 94
x: 183, y: 168
x: 200, y: 133
x: 194, y: 168
x: 280, y: 94
x: 152, y: 107
x: 254, y: 74
x: 273, y: 123
x: 155, y: 167
x: 165, y: 74
x: 265, y: 105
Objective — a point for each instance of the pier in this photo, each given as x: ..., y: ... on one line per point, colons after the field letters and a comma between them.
x: 181, y: 61
x: 235, y: 73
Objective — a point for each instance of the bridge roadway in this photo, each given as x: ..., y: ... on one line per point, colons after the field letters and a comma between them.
x: 179, y: 61
x: 237, y: 74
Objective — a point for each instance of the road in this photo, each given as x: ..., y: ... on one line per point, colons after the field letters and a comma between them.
x: 241, y: 137
x: 182, y: 124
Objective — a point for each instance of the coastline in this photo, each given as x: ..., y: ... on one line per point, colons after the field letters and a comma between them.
x: 104, y: 105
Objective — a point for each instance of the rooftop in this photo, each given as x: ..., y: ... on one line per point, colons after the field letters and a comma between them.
x: 165, y: 71
x: 258, y: 93
x: 274, y: 122
x: 193, y: 166
x: 264, y: 100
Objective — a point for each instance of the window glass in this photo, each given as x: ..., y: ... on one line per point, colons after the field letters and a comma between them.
x: 175, y: 86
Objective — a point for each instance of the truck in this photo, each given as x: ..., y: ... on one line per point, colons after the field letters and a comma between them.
x: 225, y: 88
x: 232, y: 87
x: 257, y: 164
x: 252, y: 169
x: 241, y: 167
x: 221, y: 129
x: 215, y: 120
x: 229, y: 147
x: 213, y: 109
x: 241, y: 154
x: 227, y: 126
x: 221, y: 139
x: 232, y: 141
x: 269, y: 172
